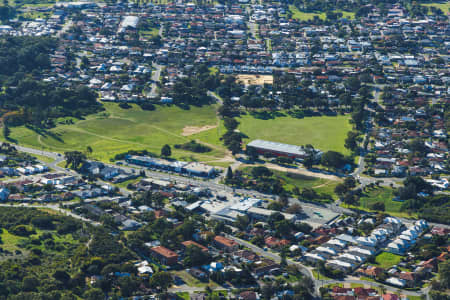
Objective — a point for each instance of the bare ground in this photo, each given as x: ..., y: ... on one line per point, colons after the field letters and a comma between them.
x: 190, y: 130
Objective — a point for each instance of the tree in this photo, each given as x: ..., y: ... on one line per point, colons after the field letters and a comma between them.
x: 284, y: 200
x: 350, y: 182
x: 128, y: 284
x: 353, y: 83
x: 273, y: 218
x: 74, y: 159
x: 332, y: 159
x: 242, y: 222
x: 62, y: 276
x: 229, y: 174
x: 166, y: 151
x: 230, y: 123
x: 351, y: 140
x: 275, y: 205
x: 349, y: 198
x: 261, y: 171
x: 251, y: 153
x: 161, y: 281
x: 84, y: 62
x: 340, y: 189
x: 444, y: 274
x: 258, y: 241
x: 283, y: 228
x: 6, y: 131
x: 195, y: 256
x: 294, y: 209
x: 30, y: 283
x: 94, y: 294
x: 89, y: 150
x: 235, y: 147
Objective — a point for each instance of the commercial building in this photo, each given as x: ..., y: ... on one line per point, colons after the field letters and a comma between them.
x: 190, y: 168
x: 280, y: 149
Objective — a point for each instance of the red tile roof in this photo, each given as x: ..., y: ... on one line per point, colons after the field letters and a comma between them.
x: 192, y: 243
x: 224, y: 241
x: 163, y: 251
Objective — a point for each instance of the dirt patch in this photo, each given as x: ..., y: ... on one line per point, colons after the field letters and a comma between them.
x: 249, y: 79
x: 190, y: 130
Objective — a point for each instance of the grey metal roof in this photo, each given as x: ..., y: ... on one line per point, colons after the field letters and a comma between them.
x: 280, y: 147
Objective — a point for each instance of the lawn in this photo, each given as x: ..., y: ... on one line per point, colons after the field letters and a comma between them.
x: 124, y: 184
x: 444, y: 6
x: 386, y: 260
x: 44, y: 159
x: 380, y: 194
x: 194, y: 282
x: 10, y: 241
x: 305, y: 16
x: 149, y: 33
x: 320, y: 185
x: 324, y: 133
x: 183, y: 295
x: 117, y: 130
x: 319, y: 276
x: 384, y: 195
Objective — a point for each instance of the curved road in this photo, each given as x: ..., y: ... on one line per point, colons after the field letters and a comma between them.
x: 218, y: 187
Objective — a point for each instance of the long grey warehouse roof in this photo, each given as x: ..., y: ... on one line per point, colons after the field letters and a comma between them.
x: 280, y: 147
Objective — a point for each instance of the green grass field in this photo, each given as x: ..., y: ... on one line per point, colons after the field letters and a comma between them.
x: 320, y: 185
x: 118, y: 130
x: 385, y: 195
x: 444, y: 6
x: 194, y: 282
x: 291, y: 180
x: 10, y: 241
x: 386, y: 260
x: 305, y: 16
x: 324, y: 133
x: 149, y: 33
x: 380, y: 194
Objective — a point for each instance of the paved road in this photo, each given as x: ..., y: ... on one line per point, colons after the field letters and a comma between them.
x: 319, y: 283
x: 219, y: 187
x: 424, y: 291
x: 157, y: 74
x: 155, y: 78
x: 210, y: 184
x: 57, y: 157
x: 307, y: 271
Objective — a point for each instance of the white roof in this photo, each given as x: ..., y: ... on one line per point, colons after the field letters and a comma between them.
x: 315, y: 256
x: 337, y: 242
x: 340, y: 263
x: 360, y: 250
x: 326, y: 250
x: 279, y: 147
x: 352, y: 257
x: 396, y: 281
